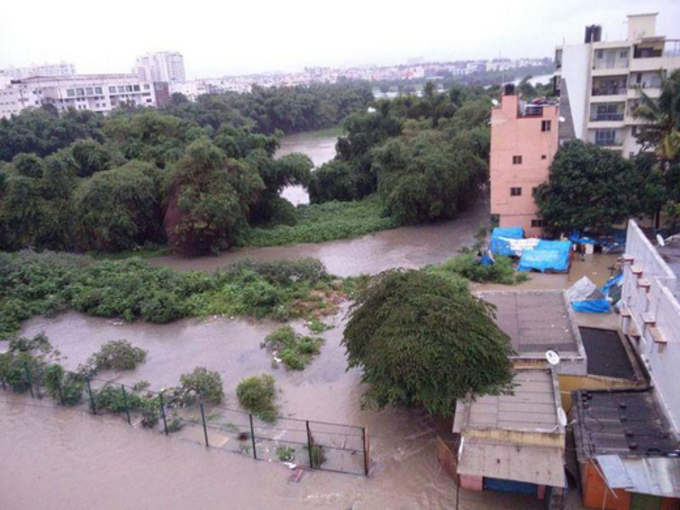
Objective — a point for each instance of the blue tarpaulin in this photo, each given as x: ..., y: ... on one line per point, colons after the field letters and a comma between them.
x: 600, y: 305
x: 547, y: 256
x: 501, y: 247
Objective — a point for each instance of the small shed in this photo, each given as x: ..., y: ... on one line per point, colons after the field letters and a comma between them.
x: 513, y: 443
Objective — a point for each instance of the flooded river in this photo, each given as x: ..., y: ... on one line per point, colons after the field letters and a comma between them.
x: 318, y: 145
x: 53, y: 458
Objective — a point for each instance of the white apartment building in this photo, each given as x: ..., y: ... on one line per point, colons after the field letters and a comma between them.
x: 21, y: 73
x: 96, y: 92
x: 603, y: 79
x: 164, y: 66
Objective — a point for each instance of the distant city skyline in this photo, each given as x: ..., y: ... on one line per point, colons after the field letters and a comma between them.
x: 271, y: 37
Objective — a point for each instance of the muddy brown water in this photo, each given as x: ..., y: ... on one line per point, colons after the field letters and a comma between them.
x: 68, y: 459
x: 52, y: 458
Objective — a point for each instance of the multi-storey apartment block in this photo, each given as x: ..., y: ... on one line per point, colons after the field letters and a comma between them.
x: 524, y: 140
x: 604, y: 79
x: 164, y: 66
x: 97, y: 92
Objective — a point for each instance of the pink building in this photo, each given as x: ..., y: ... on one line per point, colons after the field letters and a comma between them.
x: 523, y: 143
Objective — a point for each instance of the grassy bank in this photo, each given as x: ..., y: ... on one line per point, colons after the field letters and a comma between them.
x: 325, y: 222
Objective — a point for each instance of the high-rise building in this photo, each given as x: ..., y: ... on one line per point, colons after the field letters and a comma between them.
x: 96, y: 92
x: 603, y: 80
x: 164, y: 66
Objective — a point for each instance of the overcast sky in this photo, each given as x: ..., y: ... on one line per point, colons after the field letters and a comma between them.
x: 233, y: 37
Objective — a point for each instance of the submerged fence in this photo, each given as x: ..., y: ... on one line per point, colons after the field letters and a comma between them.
x: 306, y: 444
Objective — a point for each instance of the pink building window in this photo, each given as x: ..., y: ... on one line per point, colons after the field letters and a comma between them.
x: 515, y: 192
x: 517, y: 160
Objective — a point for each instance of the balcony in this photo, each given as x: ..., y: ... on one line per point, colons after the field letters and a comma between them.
x: 606, y: 117
x: 668, y: 48
x: 609, y: 91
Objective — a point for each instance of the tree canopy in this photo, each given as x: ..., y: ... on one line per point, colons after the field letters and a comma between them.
x: 588, y: 187
x: 421, y: 339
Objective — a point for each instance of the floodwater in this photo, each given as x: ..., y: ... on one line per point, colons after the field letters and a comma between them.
x: 409, y: 247
x: 319, y: 148
x: 70, y: 459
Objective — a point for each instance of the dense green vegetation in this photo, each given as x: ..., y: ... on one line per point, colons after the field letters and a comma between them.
x: 466, y: 266
x: 421, y: 339
x: 317, y: 223
x: 427, y: 157
x: 294, y: 350
x: 198, y: 175
x: 47, y: 283
x: 257, y: 394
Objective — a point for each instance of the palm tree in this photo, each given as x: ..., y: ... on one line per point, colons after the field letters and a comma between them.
x: 663, y: 120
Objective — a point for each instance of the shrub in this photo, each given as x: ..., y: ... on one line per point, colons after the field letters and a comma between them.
x: 316, y: 326
x: 258, y: 395
x: 465, y: 265
x: 205, y: 384
x: 117, y: 355
x: 64, y: 387
x: 318, y: 455
x: 285, y: 453
x: 295, y: 350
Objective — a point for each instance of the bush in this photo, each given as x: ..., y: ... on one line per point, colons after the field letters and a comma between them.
x: 205, y: 384
x: 117, y: 355
x: 285, y: 453
x: 296, y: 351
x: 258, y: 395
x: 65, y: 388
x: 465, y: 265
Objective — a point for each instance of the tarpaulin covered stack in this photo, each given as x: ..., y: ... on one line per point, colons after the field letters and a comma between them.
x: 499, y: 237
x: 547, y: 256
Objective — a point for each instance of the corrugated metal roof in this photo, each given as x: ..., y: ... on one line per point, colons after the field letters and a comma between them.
x: 533, y: 406
x: 531, y: 464
x: 657, y: 476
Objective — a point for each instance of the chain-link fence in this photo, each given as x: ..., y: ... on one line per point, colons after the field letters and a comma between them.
x: 305, y: 444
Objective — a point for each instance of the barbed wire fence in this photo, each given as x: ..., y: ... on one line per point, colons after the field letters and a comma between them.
x: 304, y: 444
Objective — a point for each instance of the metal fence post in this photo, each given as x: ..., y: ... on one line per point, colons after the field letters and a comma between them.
x: 363, y: 440
x: 125, y: 402
x: 28, y: 378
x: 165, y: 421
x: 89, y: 391
x: 4, y: 386
x: 61, y: 393
x: 309, y: 446
x: 252, y: 436
x: 205, y: 427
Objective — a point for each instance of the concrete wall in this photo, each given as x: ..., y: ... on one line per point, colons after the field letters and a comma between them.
x: 656, y: 303
x: 515, y: 135
x: 576, y: 72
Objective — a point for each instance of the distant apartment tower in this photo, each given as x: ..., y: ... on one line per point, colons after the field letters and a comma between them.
x: 524, y: 140
x: 603, y: 80
x: 164, y: 66
x: 96, y: 92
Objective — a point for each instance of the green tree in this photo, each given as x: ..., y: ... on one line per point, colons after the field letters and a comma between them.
x: 588, y: 187
x: 334, y: 180
x: 119, y: 209
x: 210, y: 199
x: 422, y: 339
x: 92, y: 157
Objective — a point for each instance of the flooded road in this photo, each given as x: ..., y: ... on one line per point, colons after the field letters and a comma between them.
x: 318, y: 145
x: 70, y: 459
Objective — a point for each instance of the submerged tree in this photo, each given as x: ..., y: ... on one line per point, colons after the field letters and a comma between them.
x: 423, y: 340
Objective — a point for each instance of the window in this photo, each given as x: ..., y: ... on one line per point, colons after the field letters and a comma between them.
x: 112, y: 90
x: 121, y: 88
x: 515, y: 192
x: 146, y: 86
x: 80, y: 92
x: 98, y: 90
x: 537, y: 223
x: 136, y: 88
x: 517, y: 160
x: 89, y: 91
x: 543, y: 156
x: 534, y: 191
x: 545, y: 125
x: 70, y: 92
x: 623, y: 54
x: 128, y: 88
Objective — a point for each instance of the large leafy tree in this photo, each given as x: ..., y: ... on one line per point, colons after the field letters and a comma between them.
x: 422, y: 339
x: 209, y: 199
x: 119, y: 209
x: 588, y: 187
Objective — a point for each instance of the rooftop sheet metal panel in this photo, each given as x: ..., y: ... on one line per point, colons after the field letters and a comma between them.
x: 656, y: 476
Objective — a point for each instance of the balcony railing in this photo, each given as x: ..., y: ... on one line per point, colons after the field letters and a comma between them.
x: 619, y: 63
x: 609, y: 142
x: 604, y: 117
x: 670, y: 48
x: 609, y: 91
